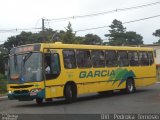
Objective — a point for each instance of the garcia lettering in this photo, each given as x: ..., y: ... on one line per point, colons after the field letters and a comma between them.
x: 97, y: 73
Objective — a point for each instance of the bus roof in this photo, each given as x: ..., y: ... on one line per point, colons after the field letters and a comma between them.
x: 58, y: 45
x: 101, y: 47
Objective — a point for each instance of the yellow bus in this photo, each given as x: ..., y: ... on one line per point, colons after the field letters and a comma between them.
x: 54, y: 70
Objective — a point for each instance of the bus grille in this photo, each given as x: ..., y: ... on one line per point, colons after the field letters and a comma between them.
x: 21, y: 91
x: 22, y: 86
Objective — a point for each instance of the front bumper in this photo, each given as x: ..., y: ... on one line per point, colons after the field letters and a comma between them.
x: 21, y: 97
x: 25, y: 96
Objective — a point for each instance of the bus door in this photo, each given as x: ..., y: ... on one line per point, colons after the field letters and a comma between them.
x: 51, y: 70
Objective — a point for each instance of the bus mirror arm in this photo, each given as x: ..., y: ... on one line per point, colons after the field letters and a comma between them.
x: 48, y: 50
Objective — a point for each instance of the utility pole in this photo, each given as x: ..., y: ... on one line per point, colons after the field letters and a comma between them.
x: 43, y: 25
x: 43, y: 36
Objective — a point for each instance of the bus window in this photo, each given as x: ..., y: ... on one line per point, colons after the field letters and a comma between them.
x: 143, y: 58
x: 83, y: 59
x: 52, y: 65
x: 55, y: 64
x: 123, y: 58
x: 98, y: 58
x: 133, y: 58
x: 47, y: 63
x: 151, y: 60
x: 69, y: 59
x: 111, y: 58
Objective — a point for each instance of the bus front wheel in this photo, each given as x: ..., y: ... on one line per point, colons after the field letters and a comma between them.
x: 39, y: 101
x: 70, y: 93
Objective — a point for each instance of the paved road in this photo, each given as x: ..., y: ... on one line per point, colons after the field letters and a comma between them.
x: 145, y: 100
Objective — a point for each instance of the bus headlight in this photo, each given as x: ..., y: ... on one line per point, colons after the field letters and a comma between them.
x: 9, y: 92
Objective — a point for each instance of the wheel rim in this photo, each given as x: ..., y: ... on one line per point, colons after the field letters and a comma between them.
x: 70, y: 92
x: 130, y: 86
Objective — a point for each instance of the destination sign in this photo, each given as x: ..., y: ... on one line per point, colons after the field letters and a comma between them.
x: 27, y: 48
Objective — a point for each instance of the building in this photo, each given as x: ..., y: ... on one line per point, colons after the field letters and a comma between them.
x: 156, y: 47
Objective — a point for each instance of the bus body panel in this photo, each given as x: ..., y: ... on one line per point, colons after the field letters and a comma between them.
x: 90, y: 80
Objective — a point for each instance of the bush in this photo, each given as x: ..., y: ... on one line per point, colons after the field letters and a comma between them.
x: 3, y: 84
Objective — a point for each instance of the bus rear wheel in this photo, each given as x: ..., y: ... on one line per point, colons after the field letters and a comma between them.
x: 70, y: 93
x: 130, y: 86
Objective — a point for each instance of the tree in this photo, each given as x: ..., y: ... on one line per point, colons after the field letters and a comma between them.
x: 69, y: 37
x: 3, y: 54
x: 21, y: 39
x: 79, y: 40
x: 91, y: 39
x: 119, y: 36
x: 117, y: 33
x: 57, y: 36
x: 132, y: 38
x: 157, y: 34
x: 28, y: 38
x: 3, y: 84
x: 50, y: 35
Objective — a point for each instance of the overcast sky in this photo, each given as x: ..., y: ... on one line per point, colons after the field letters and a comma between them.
x: 28, y: 13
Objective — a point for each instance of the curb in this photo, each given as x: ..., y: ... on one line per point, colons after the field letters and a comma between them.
x: 4, y: 98
x: 158, y: 82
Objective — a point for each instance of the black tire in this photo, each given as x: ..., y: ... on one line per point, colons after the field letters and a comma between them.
x: 39, y: 101
x: 130, y: 86
x: 70, y: 93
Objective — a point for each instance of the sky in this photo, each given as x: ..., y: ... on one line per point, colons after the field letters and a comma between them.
x: 28, y: 14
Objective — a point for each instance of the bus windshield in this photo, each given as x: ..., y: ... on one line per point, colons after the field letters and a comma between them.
x: 25, y: 67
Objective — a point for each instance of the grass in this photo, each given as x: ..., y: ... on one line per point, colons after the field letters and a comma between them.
x: 3, y: 94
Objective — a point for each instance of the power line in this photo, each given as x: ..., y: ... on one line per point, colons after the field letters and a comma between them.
x: 81, y: 16
x: 25, y: 29
x: 142, y: 19
x: 17, y: 29
x: 122, y: 23
x: 103, y: 13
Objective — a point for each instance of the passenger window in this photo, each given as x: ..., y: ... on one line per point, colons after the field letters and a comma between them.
x: 143, y: 58
x: 111, y: 58
x: 69, y: 59
x: 151, y: 59
x: 98, y: 58
x: 83, y: 59
x: 52, y: 65
x: 123, y: 58
x: 133, y: 58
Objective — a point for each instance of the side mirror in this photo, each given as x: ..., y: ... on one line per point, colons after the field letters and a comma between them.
x: 155, y: 54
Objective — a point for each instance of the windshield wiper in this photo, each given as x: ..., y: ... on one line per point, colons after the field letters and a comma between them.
x: 26, y: 57
x: 23, y: 70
